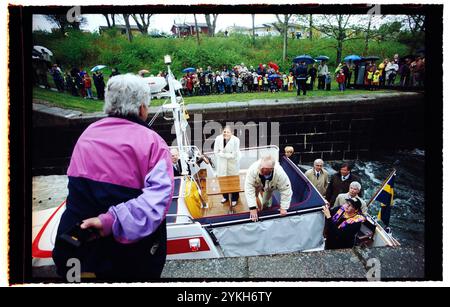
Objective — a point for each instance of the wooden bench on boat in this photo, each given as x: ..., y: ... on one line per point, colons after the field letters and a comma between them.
x: 226, y: 185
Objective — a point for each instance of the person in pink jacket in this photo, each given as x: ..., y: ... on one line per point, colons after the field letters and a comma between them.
x: 120, y: 186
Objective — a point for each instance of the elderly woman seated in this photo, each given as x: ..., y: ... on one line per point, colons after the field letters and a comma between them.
x: 343, y: 223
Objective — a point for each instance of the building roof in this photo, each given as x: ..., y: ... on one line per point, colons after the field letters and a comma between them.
x: 190, y: 24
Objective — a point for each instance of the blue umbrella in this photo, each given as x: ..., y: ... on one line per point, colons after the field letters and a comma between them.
x: 352, y: 58
x: 189, y: 69
x: 371, y: 58
x: 98, y: 67
x: 322, y: 58
x: 304, y: 58
x: 273, y: 76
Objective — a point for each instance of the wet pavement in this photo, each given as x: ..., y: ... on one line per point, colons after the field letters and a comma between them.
x: 49, y: 191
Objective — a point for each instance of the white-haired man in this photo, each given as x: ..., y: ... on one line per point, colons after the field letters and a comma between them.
x: 353, y: 191
x: 176, y: 162
x: 263, y: 178
x: 318, y: 177
x: 120, y: 184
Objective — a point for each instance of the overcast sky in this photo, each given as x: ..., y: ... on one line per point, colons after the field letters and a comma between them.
x: 164, y: 22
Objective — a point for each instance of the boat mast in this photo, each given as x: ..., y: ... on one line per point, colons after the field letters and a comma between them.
x: 178, y: 117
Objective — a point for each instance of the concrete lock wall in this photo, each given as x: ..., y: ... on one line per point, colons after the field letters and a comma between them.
x: 332, y: 128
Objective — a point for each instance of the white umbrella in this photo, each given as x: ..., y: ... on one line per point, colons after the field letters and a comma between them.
x: 42, y: 48
x: 98, y: 67
x: 156, y: 83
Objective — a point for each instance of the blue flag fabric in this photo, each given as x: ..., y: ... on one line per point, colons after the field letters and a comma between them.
x: 386, y: 198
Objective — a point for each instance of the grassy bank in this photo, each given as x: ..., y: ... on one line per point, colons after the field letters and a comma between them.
x: 85, y: 50
x: 67, y: 101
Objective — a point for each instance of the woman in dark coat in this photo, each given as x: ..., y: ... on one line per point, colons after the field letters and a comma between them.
x: 342, y: 224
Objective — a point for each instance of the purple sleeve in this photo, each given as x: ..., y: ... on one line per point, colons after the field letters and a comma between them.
x: 141, y: 216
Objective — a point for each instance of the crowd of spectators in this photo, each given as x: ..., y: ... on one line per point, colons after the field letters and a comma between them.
x: 405, y: 72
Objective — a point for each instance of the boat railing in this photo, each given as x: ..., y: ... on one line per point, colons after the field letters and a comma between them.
x: 261, y: 218
x: 176, y: 217
x: 250, y: 155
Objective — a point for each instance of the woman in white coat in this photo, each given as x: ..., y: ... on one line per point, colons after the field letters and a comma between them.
x: 226, y: 149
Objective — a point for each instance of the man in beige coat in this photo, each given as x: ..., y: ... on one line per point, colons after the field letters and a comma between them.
x: 318, y: 177
x: 263, y: 178
x: 353, y: 191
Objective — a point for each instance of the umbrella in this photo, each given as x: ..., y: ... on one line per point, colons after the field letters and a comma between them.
x: 353, y: 57
x: 421, y: 50
x: 274, y: 66
x: 42, y: 48
x: 98, y: 67
x: 322, y: 58
x: 273, y: 76
x: 371, y: 58
x: 189, y: 69
x: 156, y: 83
x: 142, y: 72
x: 304, y: 58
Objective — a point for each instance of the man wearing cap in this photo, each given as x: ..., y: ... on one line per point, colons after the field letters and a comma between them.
x: 342, y: 224
x: 263, y: 178
x: 353, y: 191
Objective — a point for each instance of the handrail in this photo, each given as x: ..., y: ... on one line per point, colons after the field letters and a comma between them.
x: 249, y: 148
x: 191, y: 221
x: 261, y: 218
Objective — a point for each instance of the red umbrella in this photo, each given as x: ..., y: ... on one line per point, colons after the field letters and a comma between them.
x: 274, y: 66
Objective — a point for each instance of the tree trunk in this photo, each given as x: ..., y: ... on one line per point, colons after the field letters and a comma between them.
x: 285, y: 37
x: 208, y: 23
x: 366, y: 41
x: 143, y: 23
x: 127, y: 27
x: 107, y: 20
x: 310, y: 27
x: 340, y: 40
x: 284, y: 31
x: 253, y: 30
x: 214, y: 24
x: 339, y: 51
x: 196, y: 30
x: 211, y: 26
x: 113, y: 19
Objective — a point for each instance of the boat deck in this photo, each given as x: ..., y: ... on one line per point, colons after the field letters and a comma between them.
x: 215, y: 207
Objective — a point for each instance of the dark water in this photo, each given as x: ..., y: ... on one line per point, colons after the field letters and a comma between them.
x: 408, y: 213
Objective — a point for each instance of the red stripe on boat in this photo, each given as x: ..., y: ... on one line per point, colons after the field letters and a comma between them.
x: 36, y: 252
x: 181, y: 246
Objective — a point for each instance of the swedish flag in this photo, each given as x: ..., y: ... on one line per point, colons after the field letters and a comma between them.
x: 386, y: 198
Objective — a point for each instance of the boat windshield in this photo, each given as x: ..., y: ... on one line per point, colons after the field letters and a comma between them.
x: 249, y: 155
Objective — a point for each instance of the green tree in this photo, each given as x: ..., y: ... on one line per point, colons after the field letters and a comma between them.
x: 63, y: 24
x: 211, y: 25
x: 414, y: 33
x: 126, y: 18
x: 142, y: 21
x: 282, y: 27
x: 389, y: 31
x: 196, y: 30
x: 112, y: 23
x: 337, y: 27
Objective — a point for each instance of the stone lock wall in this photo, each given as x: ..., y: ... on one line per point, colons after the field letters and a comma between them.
x: 332, y: 128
